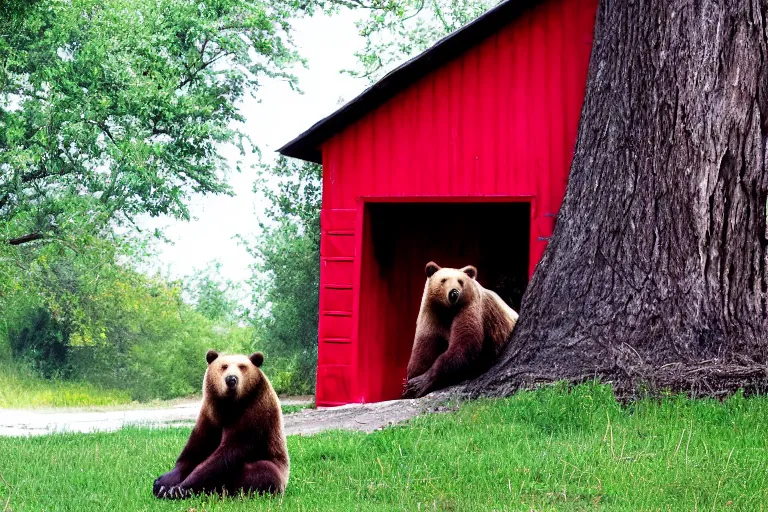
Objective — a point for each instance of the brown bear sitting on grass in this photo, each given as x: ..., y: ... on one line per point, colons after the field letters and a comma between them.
x: 460, y: 330
x: 238, y: 442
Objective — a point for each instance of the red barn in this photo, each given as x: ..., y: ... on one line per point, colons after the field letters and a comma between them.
x: 461, y: 156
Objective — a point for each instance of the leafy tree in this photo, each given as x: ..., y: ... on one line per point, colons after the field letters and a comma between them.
x: 213, y: 297
x: 109, y: 110
x: 113, y: 108
x: 287, y: 272
x: 90, y: 316
x: 394, y: 30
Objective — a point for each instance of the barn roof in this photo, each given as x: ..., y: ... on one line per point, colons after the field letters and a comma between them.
x: 307, y: 145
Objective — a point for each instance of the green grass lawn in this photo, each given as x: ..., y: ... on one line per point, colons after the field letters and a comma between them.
x: 19, y: 389
x: 553, y: 449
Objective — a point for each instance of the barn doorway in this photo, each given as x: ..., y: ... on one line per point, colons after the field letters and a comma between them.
x: 398, y: 241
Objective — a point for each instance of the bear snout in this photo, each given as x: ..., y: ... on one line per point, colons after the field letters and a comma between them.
x: 230, y: 381
x: 453, y: 296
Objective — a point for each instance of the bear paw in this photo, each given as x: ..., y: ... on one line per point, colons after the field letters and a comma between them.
x: 416, y: 387
x: 166, y: 481
x: 175, y: 492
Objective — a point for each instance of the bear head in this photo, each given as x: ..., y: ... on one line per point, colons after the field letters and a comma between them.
x: 232, y: 376
x: 450, y: 286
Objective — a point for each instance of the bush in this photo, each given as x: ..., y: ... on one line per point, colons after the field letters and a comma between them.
x: 41, y: 342
x: 86, y: 318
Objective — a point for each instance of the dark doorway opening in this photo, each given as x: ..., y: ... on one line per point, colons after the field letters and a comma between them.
x: 398, y: 241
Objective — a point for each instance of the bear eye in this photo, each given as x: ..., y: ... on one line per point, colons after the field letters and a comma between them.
x: 243, y: 367
x: 461, y: 283
x: 443, y: 281
x: 224, y: 366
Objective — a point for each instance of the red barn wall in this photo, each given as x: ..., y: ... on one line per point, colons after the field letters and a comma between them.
x: 499, y: 120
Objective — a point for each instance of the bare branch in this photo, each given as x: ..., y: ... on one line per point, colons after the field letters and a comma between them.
x: 31, y: 237
x: 105, y: 130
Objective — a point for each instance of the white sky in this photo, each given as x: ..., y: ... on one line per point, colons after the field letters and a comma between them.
x: 274, y: 118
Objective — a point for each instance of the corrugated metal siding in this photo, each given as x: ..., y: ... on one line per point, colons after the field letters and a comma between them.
x: 499, y: 120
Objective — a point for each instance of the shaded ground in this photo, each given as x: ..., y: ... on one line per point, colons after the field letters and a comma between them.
x: 363, y: 417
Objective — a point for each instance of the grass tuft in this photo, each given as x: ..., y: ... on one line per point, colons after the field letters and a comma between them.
x: 290, y: 409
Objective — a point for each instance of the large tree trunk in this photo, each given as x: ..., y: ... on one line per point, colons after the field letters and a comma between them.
x: 656, y: 273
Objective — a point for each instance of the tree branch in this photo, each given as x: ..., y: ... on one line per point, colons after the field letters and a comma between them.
x: 359, y: 4
x: 203, y: 65
x: 440, y: 16
x: 105, y: 130
x: 31, y: 237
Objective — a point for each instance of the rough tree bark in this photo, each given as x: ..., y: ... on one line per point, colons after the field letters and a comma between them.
x: 656, y: 273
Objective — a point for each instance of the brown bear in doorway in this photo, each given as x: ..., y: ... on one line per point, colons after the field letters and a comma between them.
x: 460, y: 331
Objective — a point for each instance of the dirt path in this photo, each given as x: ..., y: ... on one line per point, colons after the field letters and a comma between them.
x: 364, y: 417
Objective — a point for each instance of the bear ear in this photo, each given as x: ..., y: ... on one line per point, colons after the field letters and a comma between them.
x: 211, y: 356
x: 257, y: 358
x: 431, y: 268
x: 470, y: 271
